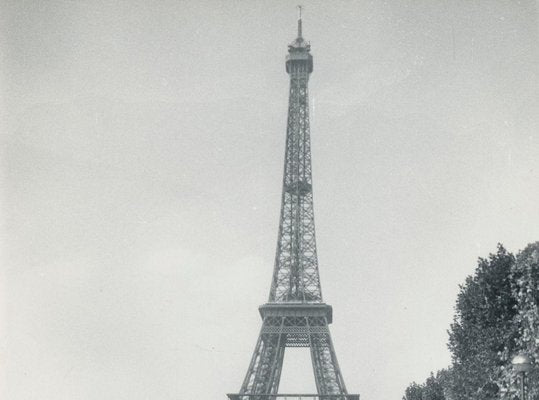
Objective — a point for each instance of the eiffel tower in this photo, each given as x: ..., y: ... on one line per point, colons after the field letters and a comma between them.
x: 295, y: 314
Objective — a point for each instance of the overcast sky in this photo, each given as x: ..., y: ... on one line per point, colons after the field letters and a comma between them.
x: 142, y: 158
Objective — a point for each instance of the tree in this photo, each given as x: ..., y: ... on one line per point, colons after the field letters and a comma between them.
x: 432, y: 389
x: 483, y: 328
x: 526, y: 291
x: 496, y: 317
x: 413, y: 392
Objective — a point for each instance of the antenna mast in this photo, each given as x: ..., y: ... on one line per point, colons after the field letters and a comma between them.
x: 299, y: 21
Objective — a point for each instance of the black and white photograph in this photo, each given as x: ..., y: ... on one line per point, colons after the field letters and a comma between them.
x: 269, y: 200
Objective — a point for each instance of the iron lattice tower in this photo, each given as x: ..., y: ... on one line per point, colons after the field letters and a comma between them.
x: 295, y: 314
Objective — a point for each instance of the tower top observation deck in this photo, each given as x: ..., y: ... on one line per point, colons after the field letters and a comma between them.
x: 299, y: 58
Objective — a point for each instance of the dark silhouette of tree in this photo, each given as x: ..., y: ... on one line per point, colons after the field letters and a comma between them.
x: 413, y: 392
x: 496, y: 315
x: 525, y: 290
x: 432, y: 389
x: 483, y: 328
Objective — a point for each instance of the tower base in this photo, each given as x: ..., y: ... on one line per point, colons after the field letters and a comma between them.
x: 296, y: 396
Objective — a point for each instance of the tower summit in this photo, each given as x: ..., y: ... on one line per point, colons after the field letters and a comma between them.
x: 299, y: 49
x: 295, y: 314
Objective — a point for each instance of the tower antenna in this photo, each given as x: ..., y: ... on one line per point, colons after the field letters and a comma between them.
x: 299, y: 21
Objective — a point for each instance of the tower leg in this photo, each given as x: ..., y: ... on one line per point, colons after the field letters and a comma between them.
x: 264, y: 371
x: 327, y: 373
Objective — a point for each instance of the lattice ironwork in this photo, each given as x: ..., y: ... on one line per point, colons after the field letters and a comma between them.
x: 295, y: 276
x: 288, y: 396
x: 295, y: 315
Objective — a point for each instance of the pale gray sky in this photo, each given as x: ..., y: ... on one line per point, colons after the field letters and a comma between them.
x: 142, y: 152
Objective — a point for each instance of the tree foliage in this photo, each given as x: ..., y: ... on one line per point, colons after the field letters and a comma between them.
x: 413, y: 392
x: 525, y: 274
x: 496, y: 317
x: 483, y: 328
x: 432, y: 389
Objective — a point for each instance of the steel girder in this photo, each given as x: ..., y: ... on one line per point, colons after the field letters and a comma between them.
x: 295, y: 276
x: 279, y: 332
x: 295, y: 315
